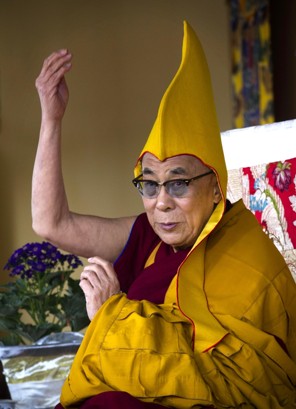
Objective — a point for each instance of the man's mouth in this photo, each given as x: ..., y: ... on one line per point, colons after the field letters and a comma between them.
x: 167, y: 226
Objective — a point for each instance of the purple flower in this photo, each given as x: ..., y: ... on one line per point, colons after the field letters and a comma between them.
x: 38, y: 258
x: 282, y: 175
x: 50, y: 250
x: 36, y: 249
x: 37, y: 266
x: 73, y: 261
x: 14, y: 259
x: 17, y: 271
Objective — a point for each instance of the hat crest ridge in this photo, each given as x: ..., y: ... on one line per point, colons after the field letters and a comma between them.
x: 186, y: 121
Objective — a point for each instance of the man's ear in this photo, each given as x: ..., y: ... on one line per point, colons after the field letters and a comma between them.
x: 217, y: 193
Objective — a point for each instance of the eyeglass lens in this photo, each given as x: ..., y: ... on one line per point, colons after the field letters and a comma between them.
x: 175, y: 188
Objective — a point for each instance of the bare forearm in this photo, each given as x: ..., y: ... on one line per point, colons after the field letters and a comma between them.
x: 49, y: 201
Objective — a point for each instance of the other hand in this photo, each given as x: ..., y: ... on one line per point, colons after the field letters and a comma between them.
x: 98, y: 282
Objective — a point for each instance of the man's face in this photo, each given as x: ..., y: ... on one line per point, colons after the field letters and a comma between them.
x: 179, y: 221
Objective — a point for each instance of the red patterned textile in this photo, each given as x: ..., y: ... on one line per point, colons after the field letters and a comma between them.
x: 269, y: 191
x: 272, y: 198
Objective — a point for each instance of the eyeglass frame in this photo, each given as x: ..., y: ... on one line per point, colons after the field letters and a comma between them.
x: 136, y: 181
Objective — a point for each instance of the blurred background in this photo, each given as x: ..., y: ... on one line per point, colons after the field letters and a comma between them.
x: 125, y: 55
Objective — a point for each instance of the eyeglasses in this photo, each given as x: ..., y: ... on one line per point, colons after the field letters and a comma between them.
x: 174, y: 187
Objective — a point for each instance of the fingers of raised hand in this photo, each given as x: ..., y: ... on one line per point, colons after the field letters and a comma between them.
x: 54, y: 67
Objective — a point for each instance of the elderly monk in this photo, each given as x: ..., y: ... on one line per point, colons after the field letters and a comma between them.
x: 191, y: 304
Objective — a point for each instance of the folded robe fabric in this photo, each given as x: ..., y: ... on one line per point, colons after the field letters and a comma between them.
x: 121, y: 352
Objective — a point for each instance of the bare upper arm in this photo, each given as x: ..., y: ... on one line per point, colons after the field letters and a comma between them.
x: 88, y: 236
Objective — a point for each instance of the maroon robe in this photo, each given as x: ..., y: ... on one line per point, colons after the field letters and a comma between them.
x: 140, y: 283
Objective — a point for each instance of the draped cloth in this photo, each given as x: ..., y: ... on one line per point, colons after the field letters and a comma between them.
x: 253, y: 365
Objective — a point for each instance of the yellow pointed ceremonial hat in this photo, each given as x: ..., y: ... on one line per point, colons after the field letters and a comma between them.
x: 186, y: 122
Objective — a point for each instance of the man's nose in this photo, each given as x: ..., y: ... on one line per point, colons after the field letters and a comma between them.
x: 164, y: 201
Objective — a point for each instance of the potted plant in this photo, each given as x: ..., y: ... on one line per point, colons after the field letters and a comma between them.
x: 43, y: 297
x: 41, y: 311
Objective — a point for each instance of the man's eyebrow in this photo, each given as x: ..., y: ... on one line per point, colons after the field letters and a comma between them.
x: 174, y: 171
x: 147, y: 171
x: 178, y: 171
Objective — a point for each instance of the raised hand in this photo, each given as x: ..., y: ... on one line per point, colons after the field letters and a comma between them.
x: 98, y: 282
x: 51, y: 85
